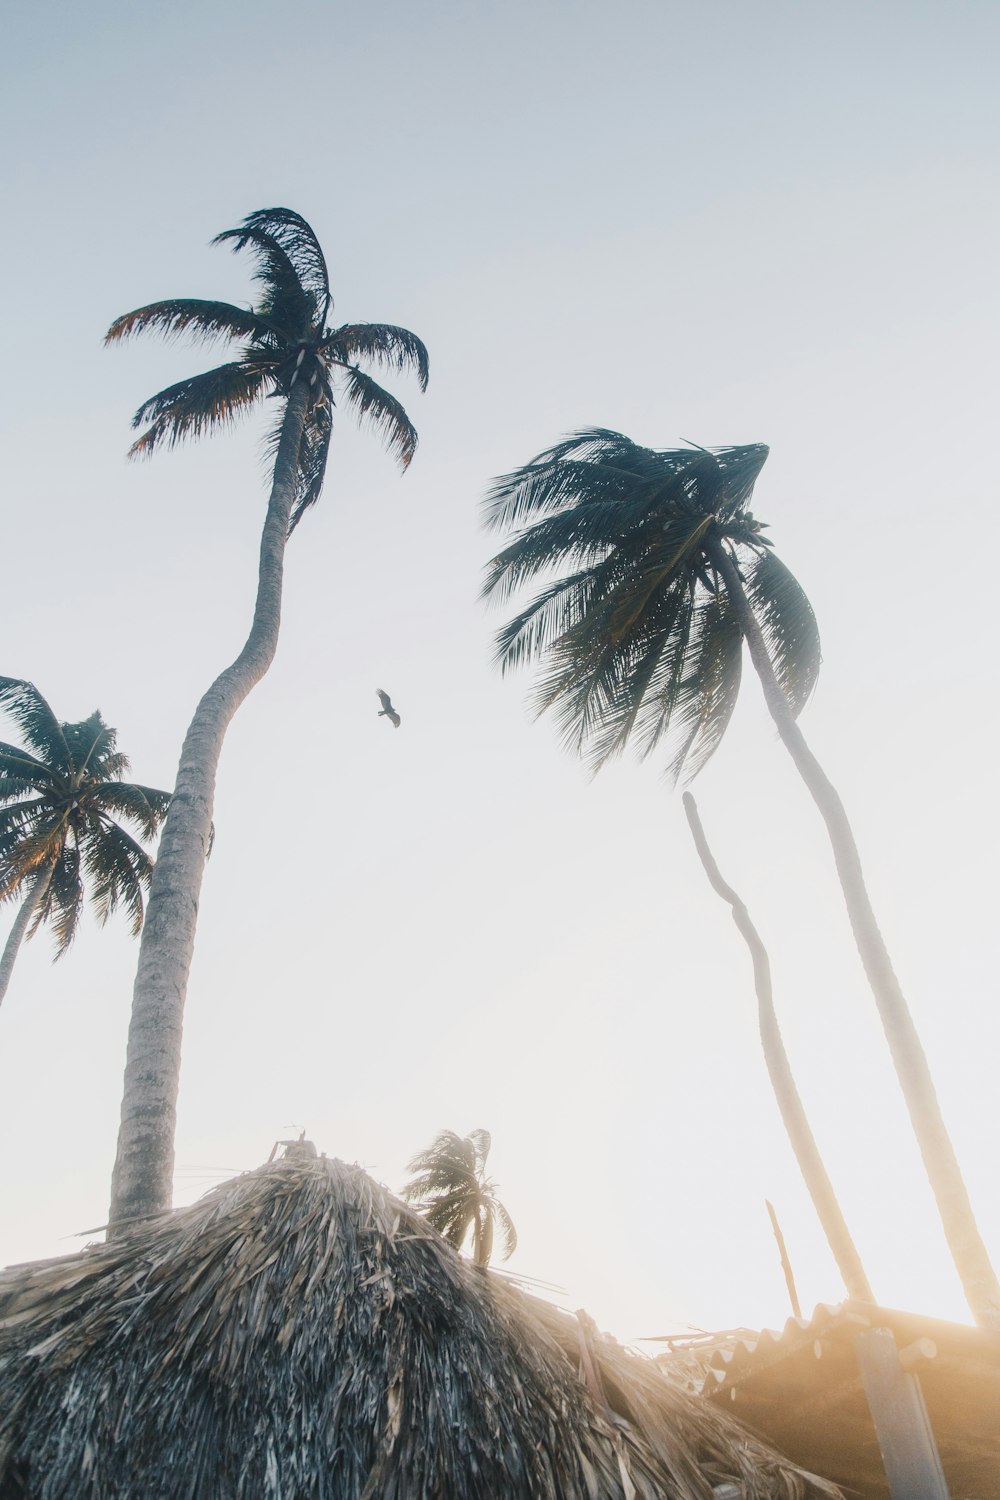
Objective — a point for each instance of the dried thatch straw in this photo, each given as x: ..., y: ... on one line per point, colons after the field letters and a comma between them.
x: 299, y: 1334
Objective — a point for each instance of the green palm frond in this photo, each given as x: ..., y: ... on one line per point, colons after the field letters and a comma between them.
x: 143, y: 806
x: 547, y: 489
x: 71, y: 823
x: 789, y: 627
x: 21, y: 772
x: 708, y: 692
x: 119, y: 870
x: 634, y: 632
x: 23, y: 703
x: 62, y: 903
x: 381, y: 343
x: 26, y: 832
x: 192, y: 407
x: 27, y: 848
x: 202, y: 320
x: 384, y: 415
x: 92, y: 748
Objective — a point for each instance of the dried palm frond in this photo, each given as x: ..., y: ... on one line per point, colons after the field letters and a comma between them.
x: 299, y: 1332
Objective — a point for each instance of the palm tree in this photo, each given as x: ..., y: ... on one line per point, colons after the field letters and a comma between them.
x: 793, y: 1116
x: 656, y: 572
x: 454, y: 1195
x: 62, y: 804
x: 287, y: 350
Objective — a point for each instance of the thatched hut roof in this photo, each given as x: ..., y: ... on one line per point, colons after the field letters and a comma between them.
x: 300, y: 1334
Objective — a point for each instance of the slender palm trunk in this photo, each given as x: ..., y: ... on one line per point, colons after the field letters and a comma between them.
x: 15, y: 937
x: 979, y: 1280
x: 793, y: 1116
x: 142, y: 1179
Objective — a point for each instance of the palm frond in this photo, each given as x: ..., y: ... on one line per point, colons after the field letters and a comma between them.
x: 649, y: 677
x: 144, y: 806
x: 191, y: 407
x: 92, y: 748
x: 549, y: 484
x: 193, y: 316
x: 62, y: 903
x: 290, y: 231
x: 708, y: 693
x: 548, y: 616
x: 23, y: 703
x: 26, y: 844
x: 286, y: 302
x: 119, y: 871
x: 383, y: 413
x: 313, y: 454
x: 382, y: 343
x: 788, y: 625
x: 481, y: 1143
x: 507, y: 1231
x: 21, y: 771
x: 16, y: 816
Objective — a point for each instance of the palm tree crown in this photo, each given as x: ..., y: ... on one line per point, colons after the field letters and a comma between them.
x: 62, y: 806
x: 455, y: 1196
x: 638, y: 634
x: 285, y: 340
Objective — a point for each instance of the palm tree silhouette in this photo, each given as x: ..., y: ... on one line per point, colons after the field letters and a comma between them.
x: 289, y: 351
x: 663, y: 573
x: 455, y: 1196
x: 62, y: 806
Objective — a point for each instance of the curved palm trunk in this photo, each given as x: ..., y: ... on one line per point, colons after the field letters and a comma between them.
x: 979, y: 1280
x: 793, y: 1116
x: 15, y: 937
x: 142, y: 1179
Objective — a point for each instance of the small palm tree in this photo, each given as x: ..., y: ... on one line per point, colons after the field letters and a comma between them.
x: 62, y: 805
x: 455, y: 1196
x: 656, y: 572
x: 287, y: 350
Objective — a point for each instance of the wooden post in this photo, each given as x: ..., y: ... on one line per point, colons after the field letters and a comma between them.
x: 902, y: 1426
x: 786, y: 1264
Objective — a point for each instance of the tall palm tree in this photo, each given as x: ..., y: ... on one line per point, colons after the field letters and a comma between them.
x: 656, y: 572
x: 287, y: 350
x: 779, y: 1070
x: 456, y: 1197
x: 62, y: 806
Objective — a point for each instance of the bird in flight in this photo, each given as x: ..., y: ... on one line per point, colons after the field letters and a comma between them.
x: 387, y: 711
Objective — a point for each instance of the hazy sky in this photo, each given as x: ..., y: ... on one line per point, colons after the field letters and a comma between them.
x: 722, y: 223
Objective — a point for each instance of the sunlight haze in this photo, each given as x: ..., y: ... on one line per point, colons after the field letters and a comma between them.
x: 715, y: 224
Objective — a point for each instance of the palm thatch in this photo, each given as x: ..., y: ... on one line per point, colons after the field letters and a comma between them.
x: 300, y: 1334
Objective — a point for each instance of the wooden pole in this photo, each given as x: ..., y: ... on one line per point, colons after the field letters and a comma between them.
x: 899, y: 1413
x: 786, y: 1264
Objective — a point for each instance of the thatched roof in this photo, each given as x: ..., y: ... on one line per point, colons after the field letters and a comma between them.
x: 300, y: 1334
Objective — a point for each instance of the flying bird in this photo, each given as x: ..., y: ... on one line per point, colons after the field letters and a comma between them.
x: 387, y: 711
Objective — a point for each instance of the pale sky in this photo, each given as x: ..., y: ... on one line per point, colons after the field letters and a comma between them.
x: 721, y: 223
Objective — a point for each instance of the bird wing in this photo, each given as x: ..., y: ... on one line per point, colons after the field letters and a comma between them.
x: 384, y: 700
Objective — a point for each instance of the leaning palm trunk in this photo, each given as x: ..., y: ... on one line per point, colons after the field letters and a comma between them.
x: 15, y: 937
x: 793, y: 1116
x: 143, y: 1172
x: 979, y: 1280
